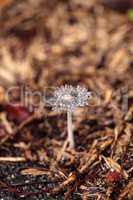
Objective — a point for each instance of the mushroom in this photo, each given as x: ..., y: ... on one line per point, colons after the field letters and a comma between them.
x: 68, y: 98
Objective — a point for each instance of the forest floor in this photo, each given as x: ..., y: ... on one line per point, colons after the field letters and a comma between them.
x: 44, y: 44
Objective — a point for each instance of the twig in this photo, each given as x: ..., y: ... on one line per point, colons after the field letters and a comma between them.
x: 12, y: 159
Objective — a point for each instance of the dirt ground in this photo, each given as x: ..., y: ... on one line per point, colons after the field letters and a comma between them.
x: 45, y: 44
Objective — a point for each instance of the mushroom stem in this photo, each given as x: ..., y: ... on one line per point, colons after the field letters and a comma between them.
x: 70, y: 130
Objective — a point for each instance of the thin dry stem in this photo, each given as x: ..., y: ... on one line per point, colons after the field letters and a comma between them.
x: 70, y: 130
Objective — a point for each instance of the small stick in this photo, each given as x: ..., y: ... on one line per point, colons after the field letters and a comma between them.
x: 12, y: 159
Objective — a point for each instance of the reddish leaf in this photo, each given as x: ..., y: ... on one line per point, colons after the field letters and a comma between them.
x: 112, y: 177
x: 17, y: 113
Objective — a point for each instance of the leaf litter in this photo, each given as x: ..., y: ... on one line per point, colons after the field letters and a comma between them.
x: 92, y: 46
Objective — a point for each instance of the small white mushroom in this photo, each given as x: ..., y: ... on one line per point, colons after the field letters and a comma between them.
x: 68, y: 98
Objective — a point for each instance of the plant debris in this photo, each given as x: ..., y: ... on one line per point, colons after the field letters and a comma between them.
x: 43, y: 45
